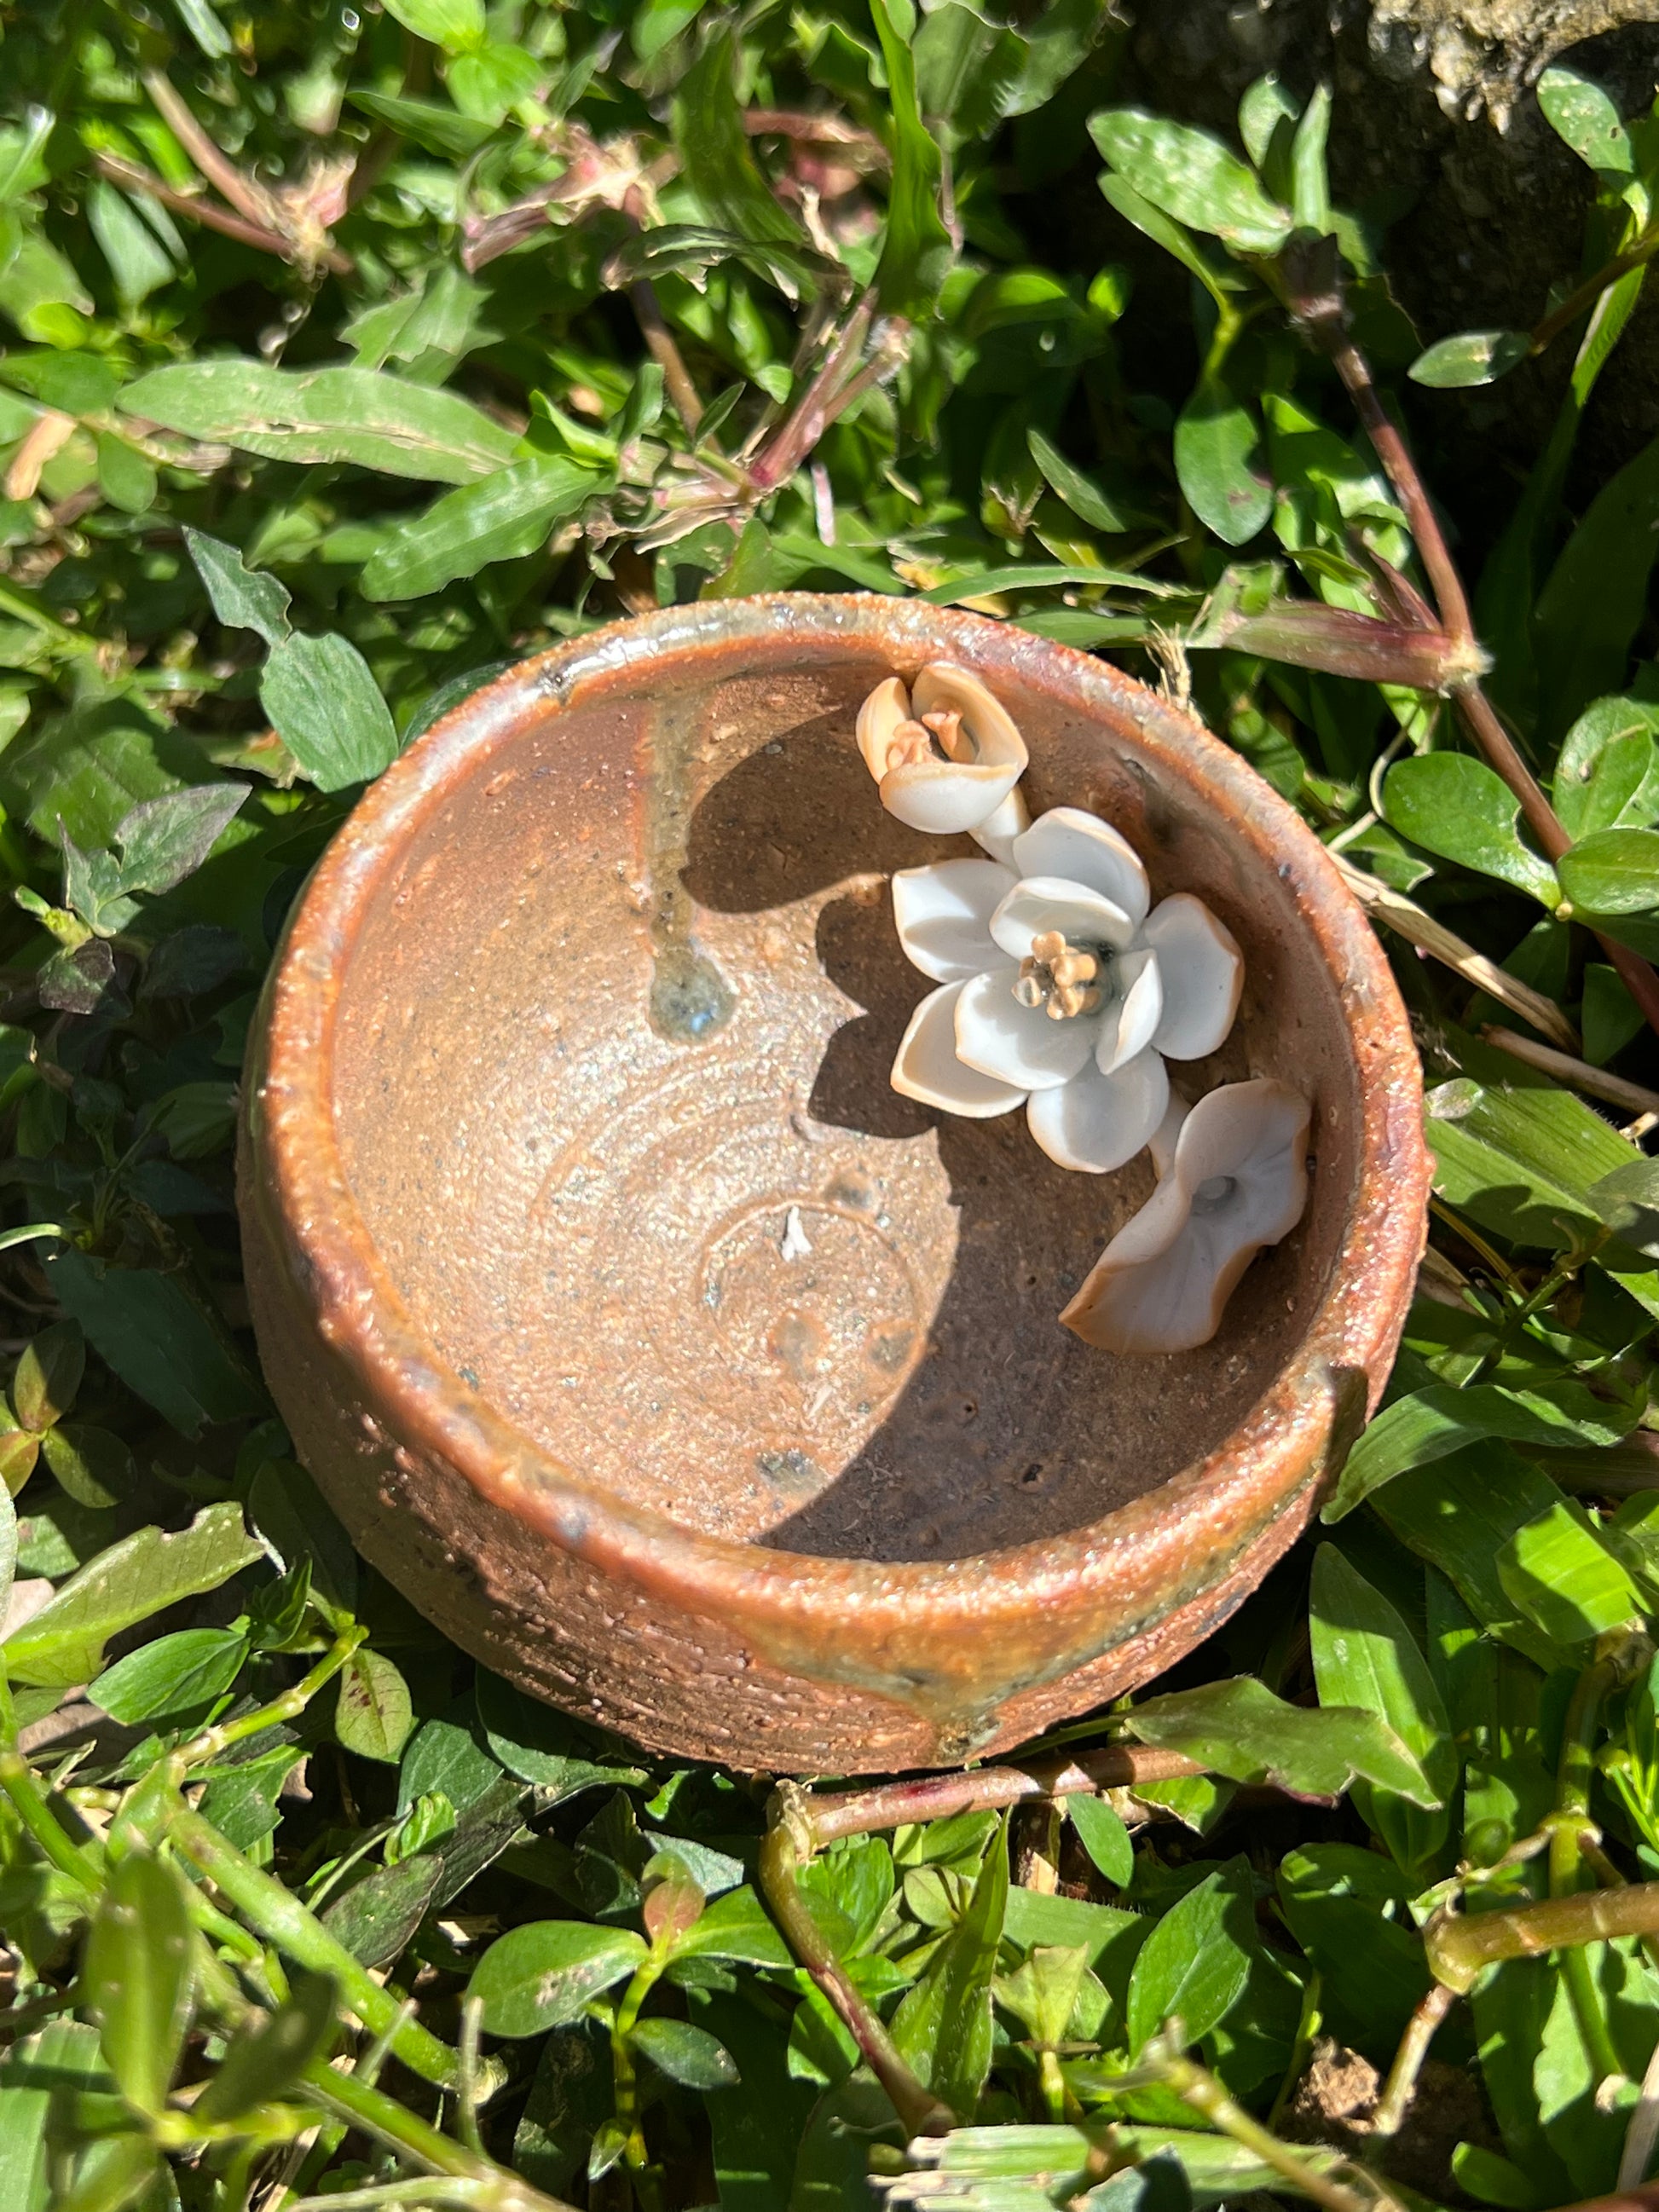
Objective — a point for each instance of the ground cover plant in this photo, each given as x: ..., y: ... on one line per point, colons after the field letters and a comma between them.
x: 349, y: 354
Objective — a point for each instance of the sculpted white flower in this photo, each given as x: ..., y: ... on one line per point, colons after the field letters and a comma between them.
x: 946, y: 755
x: 1235, y: 1179
x: 1060, y: 991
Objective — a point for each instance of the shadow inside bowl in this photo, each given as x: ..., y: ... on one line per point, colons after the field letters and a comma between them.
x: 611, y: 1084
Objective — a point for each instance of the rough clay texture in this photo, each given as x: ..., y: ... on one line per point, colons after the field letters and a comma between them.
x: 638, y: 1332
x: 1435, y: 127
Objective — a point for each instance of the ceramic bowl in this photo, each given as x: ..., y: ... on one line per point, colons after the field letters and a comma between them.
x: 650, y: 1343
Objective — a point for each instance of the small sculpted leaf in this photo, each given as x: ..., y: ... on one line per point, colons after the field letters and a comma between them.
x: 688, y: 2055
x: 1470, y: 358
x: 135, y: 1579
x: 327, y: 708
x: 373, y: 1715
x: 1612, y: 872
x: 1464, y: 811
x: 1193, y: 1968
x: 49, y: 1371
x: 546, y: 1973
x: 243, y: 597
x: 136, y: 1980
x: 175, y: 1675
x: 1191, y: 176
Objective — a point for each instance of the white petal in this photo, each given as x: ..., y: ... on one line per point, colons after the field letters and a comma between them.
x: 944, y: 916
x: 887, y: 706
x: 927, y: 1066
x: 946, y: 797
x: 1238, y: 1181
x: 1019, y: 1044
x: 1161, y: 1142
x: 998, y: 831
x: 1133, y: 1012
x: 1203, y: 972
x: 1095, y: 1122
x: 1045, y: 902
x: 1068, y: 840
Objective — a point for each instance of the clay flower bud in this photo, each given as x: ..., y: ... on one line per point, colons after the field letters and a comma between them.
x: 1237, y: 1180
x: 946, y: 756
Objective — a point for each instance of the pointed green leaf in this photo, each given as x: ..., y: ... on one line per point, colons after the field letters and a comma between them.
x: 136, y: 1976
x: 327, y: 709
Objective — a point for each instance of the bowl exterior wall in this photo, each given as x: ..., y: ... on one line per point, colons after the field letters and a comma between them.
x: 765, y: 1660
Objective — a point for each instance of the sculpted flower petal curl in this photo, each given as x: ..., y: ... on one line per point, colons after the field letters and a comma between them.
x: 1059, y: 989
x: 946, y: 755
x: 1235, y: 1179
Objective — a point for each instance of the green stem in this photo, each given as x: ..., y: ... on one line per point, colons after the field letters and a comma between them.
x: 625, y: 2075
x: 401, y: 2131
x: 288, y: 1707
x: 1572, y: 1790
x: 1402, y: 2074
x: 277, y: 1915
x: 33, y: 1807
x: 1583, y: 297
x: 1204, y: 2095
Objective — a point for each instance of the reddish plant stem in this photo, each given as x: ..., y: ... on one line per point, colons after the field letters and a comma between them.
x: 933, y: 1796
x: 1316, y: 301
x: 1395, y: 2101
x: 1583, y: 297
x: 659, y: 345
x: 242, y: 191
x: 132, y: 177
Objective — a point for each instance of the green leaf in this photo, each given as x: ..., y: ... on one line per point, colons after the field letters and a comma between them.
x: 546, y: 1973
x: 540, y: 1746
x: 1239, y: 1729
x: 735, y: 1927
x: 376, y: 1918
x: 48, y: 1374
x: 688, y: 2055
x: 439, y: 130
x: 264, y: 2061
x: 503, y: 518
x: 1584, y: 118
x: 125, y: 477
x: 149, y: 1328
x: 456, y: 26
x: 164, y: 840
x: 1310, y: 191
x: 365, y: 417
x: 1345, y: 1907
x: 327, y: 709
x: 1612, y: 872
x: 1470, y: 358
x: 291, y: 1513
x: 1608, y: 774
x: 1589, y: 610
x: 916, y: 251
x: 1365, y: 1656
x: 135, y: 1579
x: 113, y: 2174
x: 1080, y: 493
x: 137, y: 1977
x: 1464, y: 812
x: 175, y: 1675
x: 373, y: 1715
x: 7, y: 1547
x: 1431, y: 1424
x: 1193, y: 1968
x: 1191, y: 176
x: 1221, y: 462
x: 242, y: 597
x: 944, y: 2025
x: 1562, y: 1575
x: 138, y: 262
x: 487, y: 84
x: 716, y: 161
x: 1104, y: 1836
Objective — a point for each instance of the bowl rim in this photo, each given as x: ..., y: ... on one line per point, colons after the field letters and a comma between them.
x: 1140, y: 1559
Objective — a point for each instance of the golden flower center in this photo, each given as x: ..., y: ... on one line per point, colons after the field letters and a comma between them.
x: 1058, y: 977
x: 937, y: 735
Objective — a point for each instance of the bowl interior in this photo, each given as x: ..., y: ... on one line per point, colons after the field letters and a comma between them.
x: 609, y: 1077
